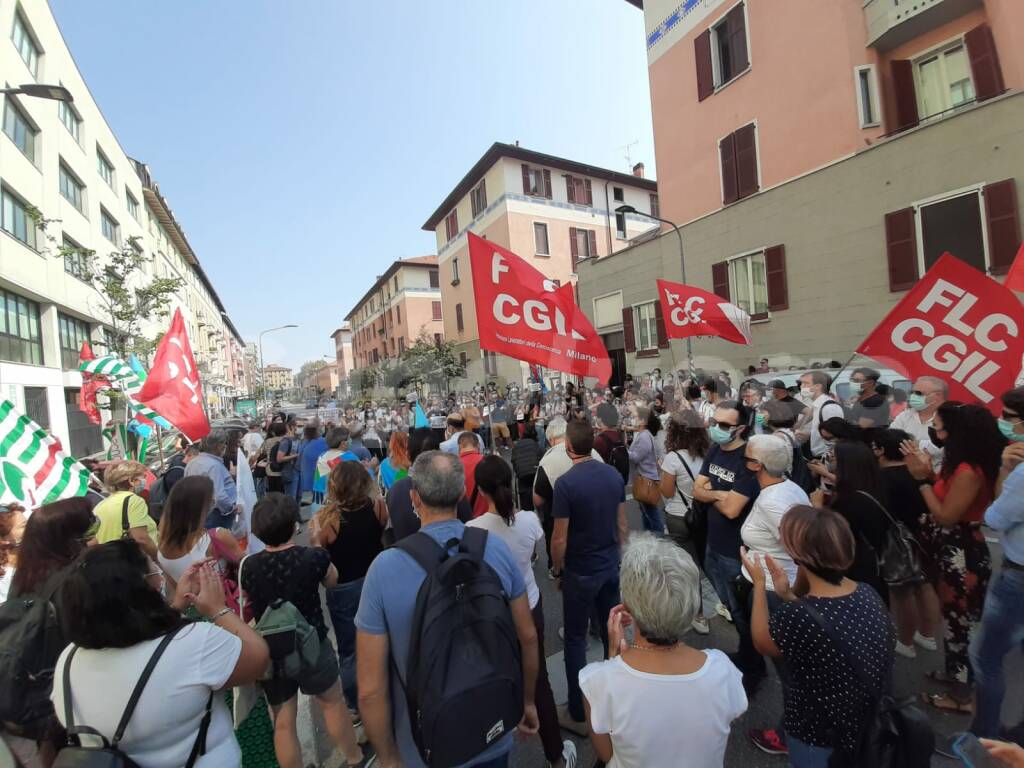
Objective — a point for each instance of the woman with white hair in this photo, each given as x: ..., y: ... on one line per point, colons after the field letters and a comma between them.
x: 656, y: 698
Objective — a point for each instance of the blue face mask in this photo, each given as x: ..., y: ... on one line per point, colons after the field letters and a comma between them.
x: 1008, y: 431
x: 855, y: 387
x: 759, y: 418
x: 917, y: 402
x: 719, y: 435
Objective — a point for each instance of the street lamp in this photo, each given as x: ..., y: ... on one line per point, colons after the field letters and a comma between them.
x: 263, y: 373
x: 54, y: 92
x: 682, y: 264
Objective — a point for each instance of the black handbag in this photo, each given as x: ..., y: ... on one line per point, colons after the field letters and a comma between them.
x: 696, y: 517
x: 897, y: 735
x: 899, y: 562
x: 108, y: 754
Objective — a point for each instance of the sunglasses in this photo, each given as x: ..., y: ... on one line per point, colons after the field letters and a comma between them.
x: 723, y: 424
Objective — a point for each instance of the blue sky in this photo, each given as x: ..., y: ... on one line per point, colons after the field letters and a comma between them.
x: 303, y: 143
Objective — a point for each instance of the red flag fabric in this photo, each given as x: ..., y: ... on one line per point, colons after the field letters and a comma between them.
x: 1015, y: 277
x: 959, y: 325
x: 172, y: 388
x: 691, y: 311
x: 90, y: 386
x: 522, y: 314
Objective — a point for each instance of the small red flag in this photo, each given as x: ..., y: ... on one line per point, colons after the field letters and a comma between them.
x: 1015, y: 277
x: 692, y: 311
x: 173, y: 389
x: 90, y: 386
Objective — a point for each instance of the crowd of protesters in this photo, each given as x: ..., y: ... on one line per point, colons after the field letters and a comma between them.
x: 838, y: 535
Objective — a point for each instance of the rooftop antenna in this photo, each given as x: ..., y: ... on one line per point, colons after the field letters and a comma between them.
x: 629, y: 158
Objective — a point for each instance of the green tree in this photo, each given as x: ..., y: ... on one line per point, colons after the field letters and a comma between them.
x: 126, y: 299
x: 394, y: 374
x: 365, y: 379
x: 429, y: 362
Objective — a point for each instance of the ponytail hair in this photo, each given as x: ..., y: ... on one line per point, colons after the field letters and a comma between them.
x: 493, y: 476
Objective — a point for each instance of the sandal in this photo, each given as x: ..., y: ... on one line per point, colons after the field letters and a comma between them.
x: 947, y: 703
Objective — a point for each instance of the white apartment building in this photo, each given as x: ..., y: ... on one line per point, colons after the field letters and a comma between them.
x: 65, y: 161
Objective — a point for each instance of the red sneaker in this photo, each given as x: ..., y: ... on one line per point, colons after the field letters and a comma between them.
x: 768, y: 741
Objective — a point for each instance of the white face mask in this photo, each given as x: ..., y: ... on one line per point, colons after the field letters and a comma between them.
x: 806, y: 393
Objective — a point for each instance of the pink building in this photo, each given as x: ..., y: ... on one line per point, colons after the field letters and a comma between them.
x: 344, y: 358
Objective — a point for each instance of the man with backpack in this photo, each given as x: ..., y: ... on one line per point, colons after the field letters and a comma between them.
x: 457, y: 682
x: 609, y: 443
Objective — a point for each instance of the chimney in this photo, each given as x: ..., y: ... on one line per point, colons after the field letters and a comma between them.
x: 638, y: 170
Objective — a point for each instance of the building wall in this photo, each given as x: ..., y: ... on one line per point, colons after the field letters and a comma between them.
x: 831, y: 223
x: 278, y: 378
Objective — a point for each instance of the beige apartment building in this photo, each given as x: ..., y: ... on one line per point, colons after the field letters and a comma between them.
x: 344, y: 361
x: 401, y: 305
x: 277, y: 378
x: 553, y: 212
x: 816, y: 204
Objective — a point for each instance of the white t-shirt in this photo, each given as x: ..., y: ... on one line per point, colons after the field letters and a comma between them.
x: 760, y: 531
x: 910, y: 422
x: 166, y: 720
x: 673, y: 465
x: 251, y: 442
x: 522, y: 537
x: 556, y: 462
x: 825, y: 407
x: 655, y: 720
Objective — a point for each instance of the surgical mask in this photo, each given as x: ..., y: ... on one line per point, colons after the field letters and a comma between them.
x: 719, y: 435
x: 855, y: 387
x: 759, y: 419
x: 705, y: 395
x: 1007, y: 430
x: 917, y: 402
x: 933, y: 435
x: 807, y: 393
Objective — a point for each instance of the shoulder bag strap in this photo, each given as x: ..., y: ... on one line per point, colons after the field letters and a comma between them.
x: 829, y: 630
x: 199, y: 747
x: 241, y: 591
x: 124, y: 518
x: 692, y: 478
x: 880, y: 506
x: 423, y: 549
x: 69, y: 718
x: 474, y: 542
x: 137, y: 691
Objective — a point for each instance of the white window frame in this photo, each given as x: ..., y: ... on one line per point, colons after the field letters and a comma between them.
x: 873, y: 101
x: 621, y: 234
x: 103, y: 163
x: 64, y: 168
x: 618, y: 194
x: 974, y: 189
x: 31, y: 230
x: 547, y: 239
x: 131, y: 203
x: 939, y: 51
x: 761, y: 316
x: 535, y: 173
x: 716, y: 62
x: 30, y: 125
x: 650, y: 323
x: 63, y: 108
x: 37, y: 50
x: 104, y: 216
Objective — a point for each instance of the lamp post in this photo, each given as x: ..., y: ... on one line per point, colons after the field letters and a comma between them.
x: 263, y: 373
x: 682, y: 267
x: 54, y: 92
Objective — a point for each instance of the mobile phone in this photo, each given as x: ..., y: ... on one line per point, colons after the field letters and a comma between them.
x: 972, y: 752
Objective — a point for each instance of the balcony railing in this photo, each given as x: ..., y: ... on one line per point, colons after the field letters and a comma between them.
x: 893, y: 22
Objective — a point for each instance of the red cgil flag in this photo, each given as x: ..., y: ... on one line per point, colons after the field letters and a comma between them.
x: 172, y: 388
x: 691, y: 311
x: 956, y: 324
x: 522, y: 314
x: 1015, y: 277
x: 90, y: 386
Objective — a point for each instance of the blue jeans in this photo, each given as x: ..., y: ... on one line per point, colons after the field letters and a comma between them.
x: 214, y: 519
x: 582, y: 596
x: 653, y: 518
x: 802, y: 755
x: 291, y: 485
x: 722, y: 572
x: 1001, y: 630
x: 342, y: 602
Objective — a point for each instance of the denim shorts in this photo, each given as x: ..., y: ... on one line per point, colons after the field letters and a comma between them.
x: 315, y: 682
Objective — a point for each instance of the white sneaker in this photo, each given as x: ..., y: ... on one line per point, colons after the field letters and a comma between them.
x: 568, y: 753
x: 928, y: 643
x: 700, y: 626
x: 561, y: 633
x: 906, y: 651
x: 722, y: 611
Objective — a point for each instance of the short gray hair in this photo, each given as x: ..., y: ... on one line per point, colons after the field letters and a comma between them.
x: 774, y: 453
x: 555, y: 429
x: 438, y: 478
x: 660, y: 585
x: 941, y: 384
x: 214, y: 442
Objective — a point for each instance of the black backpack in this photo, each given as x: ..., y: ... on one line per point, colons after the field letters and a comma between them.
x: 618, y: 457
x: 108, y: 754
x: 464, y: 675
x: 160, y: 490
x: 31, y: 640
x: 274, y: 451
x: 799, y: 473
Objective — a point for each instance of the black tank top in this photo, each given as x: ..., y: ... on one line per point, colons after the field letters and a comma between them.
x: 356, y: 544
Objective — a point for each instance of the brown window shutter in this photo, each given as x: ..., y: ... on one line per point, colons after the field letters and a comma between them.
x: 627, y: 329
x: 901, y: 249
x: 727, y: 149
x: 1002, y: 219
x: 746, y: 161
x: 659, y: 323
x: 588, y: 194
x: 981, y: 51
x: 592, y: 242
x: 906, y: 94
x: 705, y: 74
x: 737, y: 26
x: 775, y: 276
x: 570, y: 189
x: 547, y: 183
x: 483, y: 195
x: 720, y: 280
x: 526, y: 179
x: 458, y: 317
x: 574, y: 247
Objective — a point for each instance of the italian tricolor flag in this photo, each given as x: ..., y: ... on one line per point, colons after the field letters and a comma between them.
x: 34, y: 470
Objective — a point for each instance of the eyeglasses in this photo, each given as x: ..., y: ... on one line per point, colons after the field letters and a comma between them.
x: 723, y: 424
